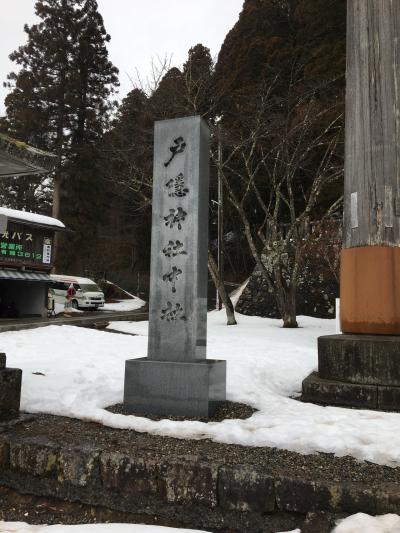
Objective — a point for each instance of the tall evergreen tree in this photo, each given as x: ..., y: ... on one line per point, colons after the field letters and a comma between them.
x: 59, y: 101
x: 197, y: 73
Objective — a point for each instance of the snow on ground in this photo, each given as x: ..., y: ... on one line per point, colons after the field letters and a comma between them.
x: 363, y: 523
x: 22, y: 527
x: 84, y: 372
x: 124, y: 305
x: 358, y: 523
x: 60, y: 309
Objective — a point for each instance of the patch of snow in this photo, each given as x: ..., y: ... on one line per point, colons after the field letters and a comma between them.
x: 22, y: 527
x: 237, y: 293
x: 363, y: 523
x: 137, y: 328
x: 120, y: 288
x: 31, y: 217
x: 124, y: 305
x: 60, y: 309
x: 293, y: 531
x: 266, y: 365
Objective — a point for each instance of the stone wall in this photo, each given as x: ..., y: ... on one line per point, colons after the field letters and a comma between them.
x: 315, y: 297
x: 190, y: 490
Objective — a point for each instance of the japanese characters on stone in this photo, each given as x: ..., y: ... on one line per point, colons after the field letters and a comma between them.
x: 175, y: 188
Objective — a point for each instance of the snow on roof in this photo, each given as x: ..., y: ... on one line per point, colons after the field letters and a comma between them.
x: 73, y: 279
x: 31, y: 217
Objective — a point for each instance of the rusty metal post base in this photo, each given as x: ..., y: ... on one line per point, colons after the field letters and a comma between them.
x: 370, y: 290
x: 356, y: 371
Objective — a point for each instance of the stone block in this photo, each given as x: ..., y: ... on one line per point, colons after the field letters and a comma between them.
x: 136, y: 475
x: 10, y: 389
x: 174, y: 388
x: 389, y: 398
x: 175, y: 480
x: 357, y: 498
x: 4, y: 454
x: 246, y: 488
x: 78, y: 465
x: 34, y: 457
x: 362, y: 359
x: 387, y: 499
x: 303, y: 496
x: 318, y: 522
x: 329, y: 392
x: 191, y: 481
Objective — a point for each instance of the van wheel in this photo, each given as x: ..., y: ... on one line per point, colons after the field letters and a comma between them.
x: 74, y: 304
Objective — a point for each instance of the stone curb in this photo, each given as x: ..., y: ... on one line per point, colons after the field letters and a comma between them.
x: 212, y: 493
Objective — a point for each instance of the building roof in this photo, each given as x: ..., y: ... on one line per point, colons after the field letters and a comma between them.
x: 32, y: 218
x: 19, y: 159
x: 19, y: 275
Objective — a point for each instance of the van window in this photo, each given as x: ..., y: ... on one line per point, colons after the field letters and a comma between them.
x: 57, y: 285
x: 89, y: 287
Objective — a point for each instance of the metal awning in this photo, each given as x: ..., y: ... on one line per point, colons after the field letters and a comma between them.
x: 19, y: 159
x: 21, y: 275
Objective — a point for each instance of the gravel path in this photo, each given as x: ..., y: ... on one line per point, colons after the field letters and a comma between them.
x: 323, y: 467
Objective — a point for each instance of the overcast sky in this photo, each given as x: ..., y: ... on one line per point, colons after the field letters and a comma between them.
x: 140, y: 30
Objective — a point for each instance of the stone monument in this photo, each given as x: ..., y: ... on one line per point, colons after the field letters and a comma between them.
x: 176, y: 378
x: 362, y: 366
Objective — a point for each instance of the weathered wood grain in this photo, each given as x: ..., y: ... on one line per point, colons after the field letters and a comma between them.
x: 372, y: 124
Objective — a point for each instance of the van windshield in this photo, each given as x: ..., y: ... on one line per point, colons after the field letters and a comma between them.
x: 89, y: 287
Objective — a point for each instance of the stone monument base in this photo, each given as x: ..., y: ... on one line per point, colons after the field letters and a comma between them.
x: 178, y: 388
x: 356, y: 371
x: 10, y: 388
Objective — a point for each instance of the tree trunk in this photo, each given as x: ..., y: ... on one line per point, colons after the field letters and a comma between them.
x: 213, y: 269
x: 286, y: 301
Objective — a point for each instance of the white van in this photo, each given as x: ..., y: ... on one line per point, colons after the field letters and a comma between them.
x: 88, y: 294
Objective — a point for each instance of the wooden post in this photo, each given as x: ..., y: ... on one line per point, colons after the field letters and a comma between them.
x: 370, y: 274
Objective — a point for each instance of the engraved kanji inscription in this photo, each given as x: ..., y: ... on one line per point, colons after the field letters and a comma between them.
x: 172, y: 314
x: 176, y: 186
x: 177, y: 148
x: 172, y: 277
x: 175, y: 217
x: 174, y: 248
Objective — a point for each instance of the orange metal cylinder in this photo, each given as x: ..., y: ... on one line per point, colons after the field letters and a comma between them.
x: 370, y: 290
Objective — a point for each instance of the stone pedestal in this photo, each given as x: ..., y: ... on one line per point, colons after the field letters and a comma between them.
x: 10, y: 389
x: 174, y: 387
x: 356, y: 371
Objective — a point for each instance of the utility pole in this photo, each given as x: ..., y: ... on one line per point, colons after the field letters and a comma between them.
x: 220, y: 222
x: 370, y: 282
x: 364, y: 370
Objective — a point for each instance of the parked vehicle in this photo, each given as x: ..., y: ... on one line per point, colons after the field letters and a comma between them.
x: 88, y: 294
